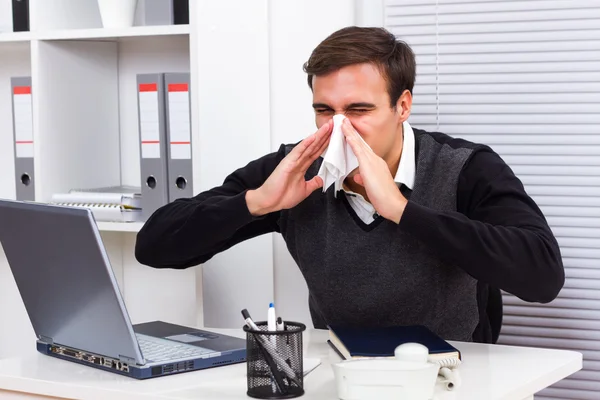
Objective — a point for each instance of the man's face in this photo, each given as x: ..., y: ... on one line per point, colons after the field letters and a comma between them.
x: 360, y: 93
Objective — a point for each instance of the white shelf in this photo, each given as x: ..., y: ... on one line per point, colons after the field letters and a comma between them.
x: 11, y: 37
x: 114, y: 34
x: 119, y: 226
x: 97, y: 33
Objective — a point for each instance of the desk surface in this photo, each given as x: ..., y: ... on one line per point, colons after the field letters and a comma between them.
x: 492, y: 372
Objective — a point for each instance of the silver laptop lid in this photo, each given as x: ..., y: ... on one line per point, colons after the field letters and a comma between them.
x: 65, y: 279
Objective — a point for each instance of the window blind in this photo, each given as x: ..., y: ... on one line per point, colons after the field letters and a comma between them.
x: 523, y: 76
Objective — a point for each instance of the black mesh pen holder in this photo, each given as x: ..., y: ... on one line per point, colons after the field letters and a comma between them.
x: 274, y: 361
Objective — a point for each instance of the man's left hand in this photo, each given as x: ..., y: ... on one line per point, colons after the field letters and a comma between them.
x: 375, y: 176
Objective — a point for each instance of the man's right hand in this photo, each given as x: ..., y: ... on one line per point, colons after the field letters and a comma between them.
x: 286, y: 187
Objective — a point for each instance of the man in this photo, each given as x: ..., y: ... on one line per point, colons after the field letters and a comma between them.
x: 423, y: 227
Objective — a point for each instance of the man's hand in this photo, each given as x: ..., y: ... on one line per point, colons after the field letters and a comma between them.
x: 286, y: 186
x: 375, y: 176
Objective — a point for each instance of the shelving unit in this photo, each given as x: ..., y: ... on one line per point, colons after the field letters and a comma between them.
x: 84, y: 95
x: 85, y: 123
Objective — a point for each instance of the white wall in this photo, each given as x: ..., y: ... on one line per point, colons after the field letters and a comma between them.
x: 254, y: 97
x: 296, y: 28
x: 230, y: 60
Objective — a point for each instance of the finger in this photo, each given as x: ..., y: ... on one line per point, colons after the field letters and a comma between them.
x: 358, y: 179
x: 314, y: 184
x: 322, y: 149
x: 319, y: 136
x: 353, y: 133
x: 309, y: 161
x: 323, y: 136
x: 354, y: 142
x: 301, y: 147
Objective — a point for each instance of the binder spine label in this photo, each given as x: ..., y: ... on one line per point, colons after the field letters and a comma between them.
x: 23, y: 119
x: 149, y: 120
x: 179, y: 121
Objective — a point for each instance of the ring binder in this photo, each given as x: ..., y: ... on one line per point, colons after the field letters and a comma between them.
x: 179, y: 150
x: 153, y: 152
x: 23, y: 137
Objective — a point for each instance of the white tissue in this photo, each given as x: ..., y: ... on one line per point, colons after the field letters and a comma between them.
x: 338, y: 159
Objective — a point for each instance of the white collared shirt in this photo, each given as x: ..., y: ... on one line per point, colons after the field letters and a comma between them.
x: 405, y: 175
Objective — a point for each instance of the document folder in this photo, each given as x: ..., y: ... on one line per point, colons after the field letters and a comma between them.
x: 153, y: 150
x: 179, y: 151
x: 23, y: 137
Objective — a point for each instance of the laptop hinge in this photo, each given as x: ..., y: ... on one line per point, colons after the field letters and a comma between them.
x: 46, y: 339
x: 126, y: 360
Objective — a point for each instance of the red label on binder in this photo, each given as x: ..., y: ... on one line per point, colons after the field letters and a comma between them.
x: 148, y: 87
x: 178, y: 87
x: 22, y: 90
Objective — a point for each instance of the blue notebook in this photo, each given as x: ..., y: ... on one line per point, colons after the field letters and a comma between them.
x: 352, y: 343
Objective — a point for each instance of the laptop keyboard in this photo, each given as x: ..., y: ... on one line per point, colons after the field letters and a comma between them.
x: 158, y: 350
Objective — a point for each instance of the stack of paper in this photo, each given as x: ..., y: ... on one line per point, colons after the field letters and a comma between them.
x: 113, y: 204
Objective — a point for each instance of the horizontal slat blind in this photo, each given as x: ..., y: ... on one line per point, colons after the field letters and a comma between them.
x: 523, y: 76
x: 421, y: 35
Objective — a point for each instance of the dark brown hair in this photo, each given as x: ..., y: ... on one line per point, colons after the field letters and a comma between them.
x: 358, y: 45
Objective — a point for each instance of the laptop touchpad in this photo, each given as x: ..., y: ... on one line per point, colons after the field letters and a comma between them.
x: 186, y: 338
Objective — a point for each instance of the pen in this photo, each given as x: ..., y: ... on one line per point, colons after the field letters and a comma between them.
x: 276, y: 357
x: 271, y: 318
x: 279, y: 340
x: 271, y: 328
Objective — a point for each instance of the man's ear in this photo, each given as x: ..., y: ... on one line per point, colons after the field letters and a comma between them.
x: 404, y: 106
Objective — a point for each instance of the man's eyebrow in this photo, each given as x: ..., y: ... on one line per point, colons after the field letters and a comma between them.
x: 349, y: 106
x: 360, y: 105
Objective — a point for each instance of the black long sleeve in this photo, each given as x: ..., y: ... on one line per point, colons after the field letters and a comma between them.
x: 498, y: 235
x: 188, y: 232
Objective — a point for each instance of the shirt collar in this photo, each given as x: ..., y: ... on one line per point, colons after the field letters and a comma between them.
x: 407, y: 167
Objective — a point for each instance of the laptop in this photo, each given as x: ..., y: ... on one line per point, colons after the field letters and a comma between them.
x: 67, y: 284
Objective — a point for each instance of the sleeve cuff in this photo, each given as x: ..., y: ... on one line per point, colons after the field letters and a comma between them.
x: 240, y: 212
x: 416, y: 219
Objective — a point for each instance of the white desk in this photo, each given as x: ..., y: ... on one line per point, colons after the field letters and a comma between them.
x: 488, y: 372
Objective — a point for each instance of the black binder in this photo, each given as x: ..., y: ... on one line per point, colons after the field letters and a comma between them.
x: 181, y: 12
x: 20, y: 15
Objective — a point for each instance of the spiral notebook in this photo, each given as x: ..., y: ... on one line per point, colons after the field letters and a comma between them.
x: 109, y: 204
